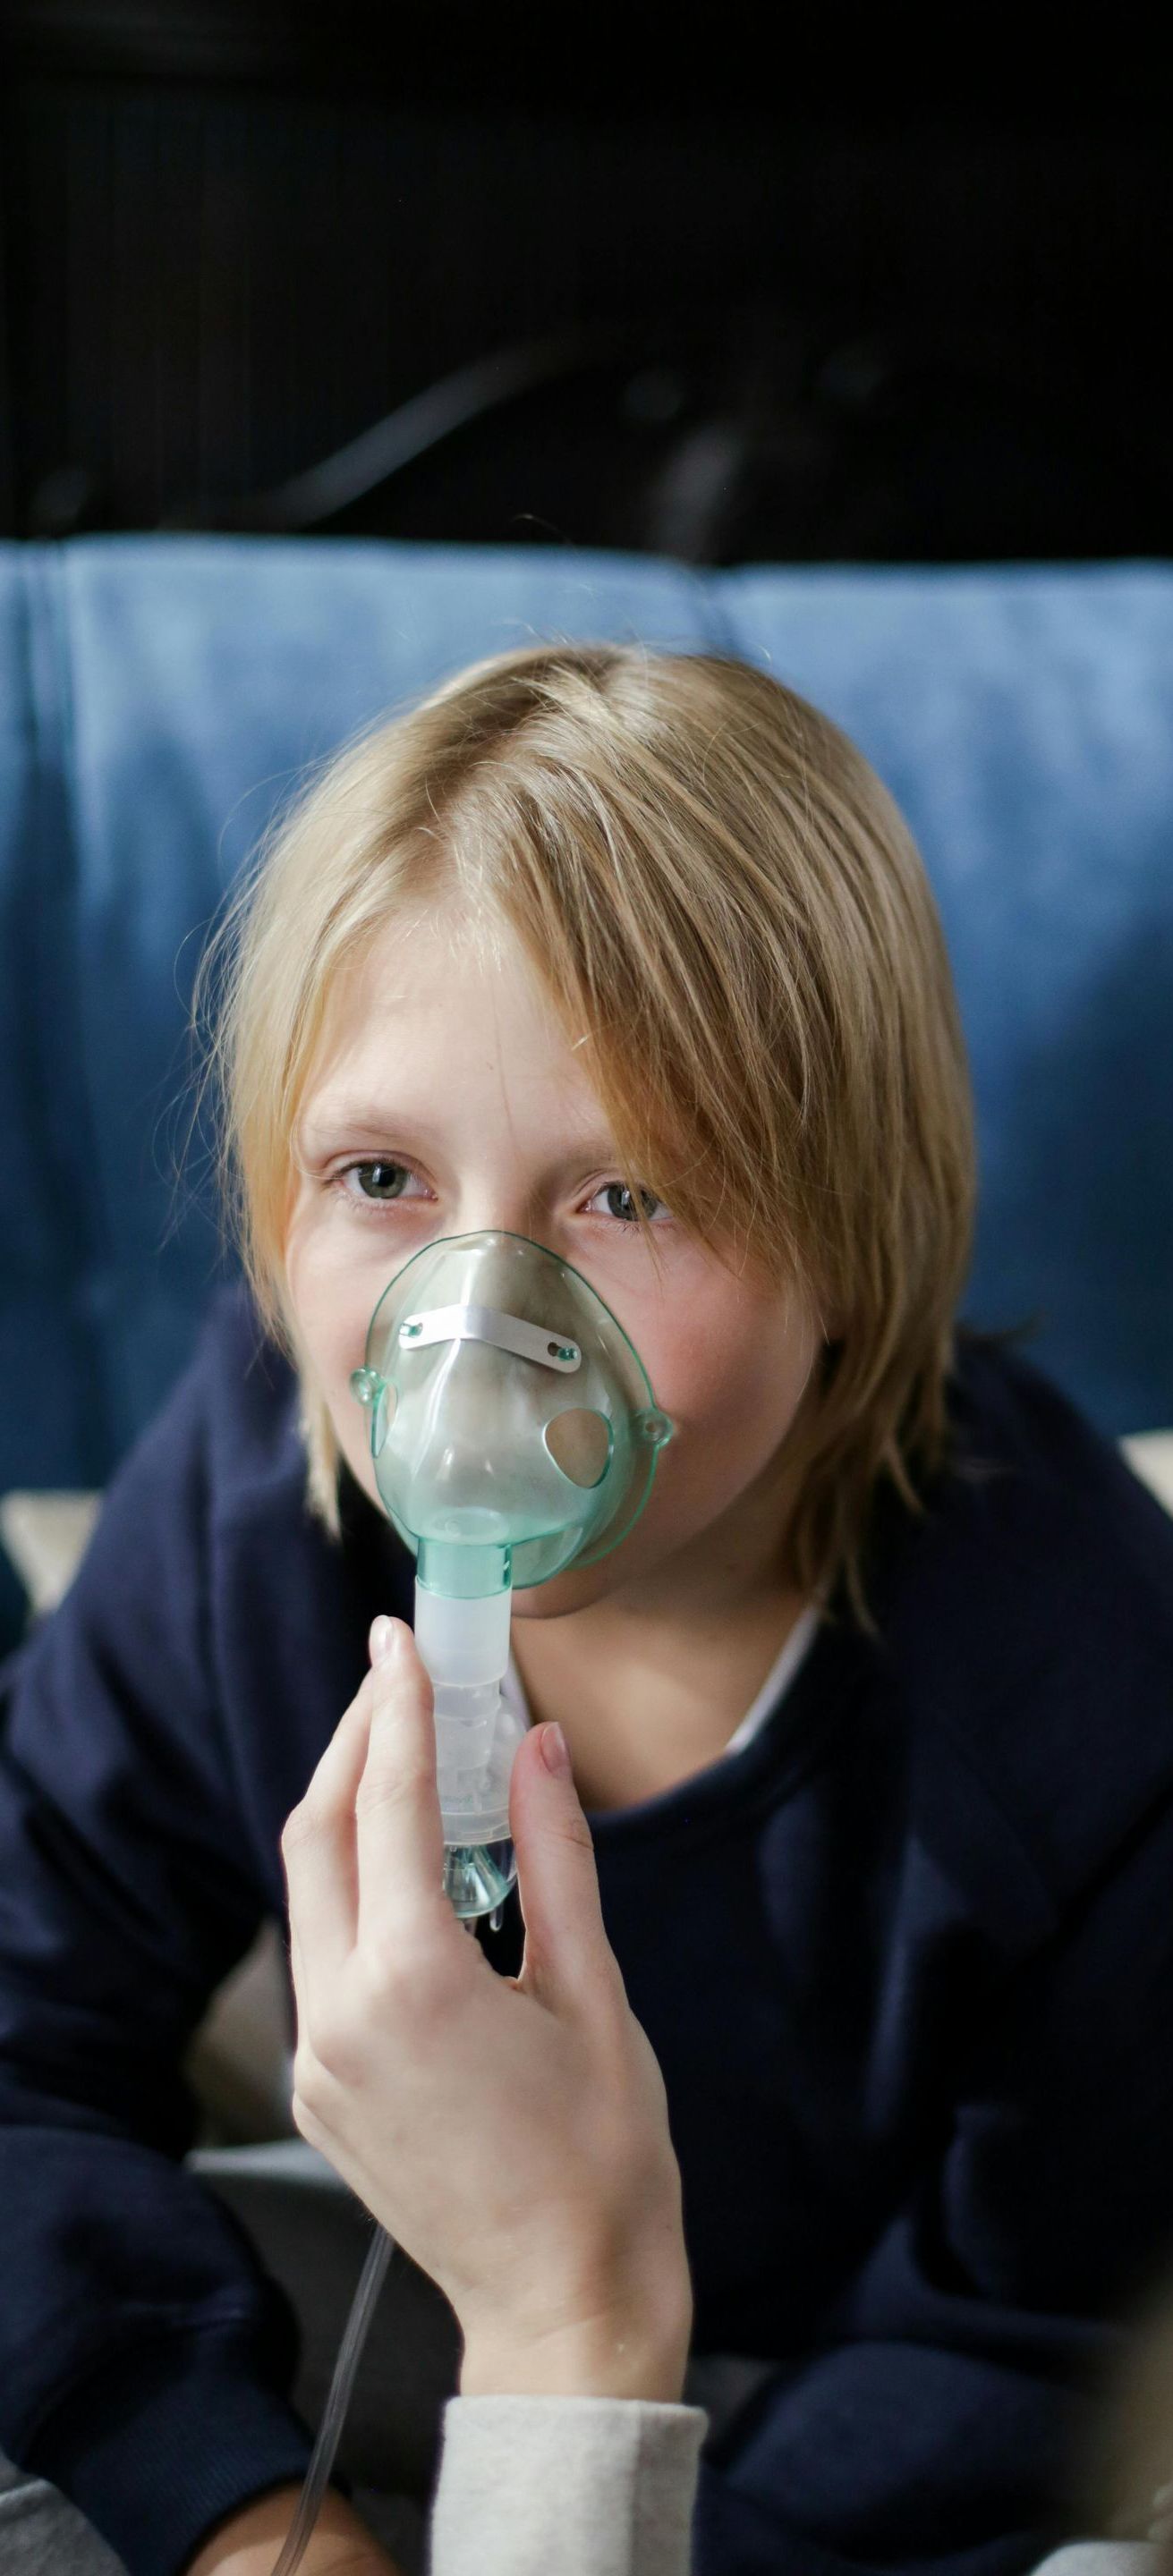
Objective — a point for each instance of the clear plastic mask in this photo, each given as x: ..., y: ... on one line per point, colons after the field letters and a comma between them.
x: 514, y: 1434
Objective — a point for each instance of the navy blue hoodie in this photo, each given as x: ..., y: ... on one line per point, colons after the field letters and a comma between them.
x: 906, y: 1961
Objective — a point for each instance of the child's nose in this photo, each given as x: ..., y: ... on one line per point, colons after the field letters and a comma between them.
x: 485, y: 1211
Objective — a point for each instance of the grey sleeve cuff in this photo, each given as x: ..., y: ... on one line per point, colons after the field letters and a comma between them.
x: 596, y: 2486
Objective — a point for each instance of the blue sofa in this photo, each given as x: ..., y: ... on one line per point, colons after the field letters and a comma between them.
x: 162, y: 694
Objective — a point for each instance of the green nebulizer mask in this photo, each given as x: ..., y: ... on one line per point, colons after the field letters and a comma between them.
x: 514, y: 1433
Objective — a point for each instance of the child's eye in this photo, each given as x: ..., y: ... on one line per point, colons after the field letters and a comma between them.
x: 617, y: 1191
x: 386, y: 1187
x: 381, y: 1184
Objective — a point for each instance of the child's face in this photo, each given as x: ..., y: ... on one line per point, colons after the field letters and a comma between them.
x: 447, y: 1100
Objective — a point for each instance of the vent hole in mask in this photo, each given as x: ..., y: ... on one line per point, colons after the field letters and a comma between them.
x: 579, y: 1442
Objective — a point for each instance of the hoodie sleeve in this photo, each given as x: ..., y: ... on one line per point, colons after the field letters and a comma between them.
x: 591, y: 2486
x: 145, y: 2359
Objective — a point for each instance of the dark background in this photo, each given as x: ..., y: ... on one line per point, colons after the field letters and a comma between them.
x: 730, y: 287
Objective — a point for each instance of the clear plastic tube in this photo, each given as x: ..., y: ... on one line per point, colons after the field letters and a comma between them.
x: 379, y: 2254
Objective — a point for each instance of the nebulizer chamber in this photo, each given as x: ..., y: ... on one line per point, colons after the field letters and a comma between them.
x: 514, y: 1434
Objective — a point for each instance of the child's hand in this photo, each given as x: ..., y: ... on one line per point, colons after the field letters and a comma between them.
x: 511, y: 2133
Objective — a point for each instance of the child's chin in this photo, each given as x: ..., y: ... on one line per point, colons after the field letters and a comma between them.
x: 574, y: 1590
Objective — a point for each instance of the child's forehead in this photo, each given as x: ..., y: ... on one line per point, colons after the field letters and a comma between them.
x: 442, y: 1065
x: 403, y: 984
x: 451, y: 926
x: 419, y: 1029
x: 441, y: 957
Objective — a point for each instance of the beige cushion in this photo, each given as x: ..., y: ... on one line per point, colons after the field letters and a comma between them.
x: 45, y: 1536
x: 240, y: 2061
x: 1150, y: 1455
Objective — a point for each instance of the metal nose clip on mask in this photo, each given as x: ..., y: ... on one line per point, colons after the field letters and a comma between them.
x: 514, y: 1433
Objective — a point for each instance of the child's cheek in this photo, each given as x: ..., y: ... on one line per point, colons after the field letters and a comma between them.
x: 727, y: 1365
x: 331, y: 1307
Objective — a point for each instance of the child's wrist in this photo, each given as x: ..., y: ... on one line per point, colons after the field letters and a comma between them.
x: 620, y: 2352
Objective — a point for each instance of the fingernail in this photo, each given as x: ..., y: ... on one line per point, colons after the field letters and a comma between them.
x: 554, y: 1753
x: 382, y: 1639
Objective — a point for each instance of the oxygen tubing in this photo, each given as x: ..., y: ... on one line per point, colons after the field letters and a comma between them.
x: 379, y: 2254
x: 350, y: 2353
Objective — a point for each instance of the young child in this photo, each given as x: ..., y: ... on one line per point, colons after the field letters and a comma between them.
x: 872, y: 1710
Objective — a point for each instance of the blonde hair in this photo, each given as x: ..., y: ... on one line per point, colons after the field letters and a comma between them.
x: 714, y: 885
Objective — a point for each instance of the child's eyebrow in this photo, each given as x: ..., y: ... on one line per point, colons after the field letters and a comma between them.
x: 358, y: 1118
x: 366, y: 1121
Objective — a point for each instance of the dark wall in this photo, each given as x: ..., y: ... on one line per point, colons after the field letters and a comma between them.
x: 855, y: 321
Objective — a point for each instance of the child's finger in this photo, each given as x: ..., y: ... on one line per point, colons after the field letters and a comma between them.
x: 568, y: 1957
x: 317, y: 1846
x: 400, y: 1840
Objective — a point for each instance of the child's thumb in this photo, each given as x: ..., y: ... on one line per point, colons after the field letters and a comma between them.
x: 567, y: 1953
